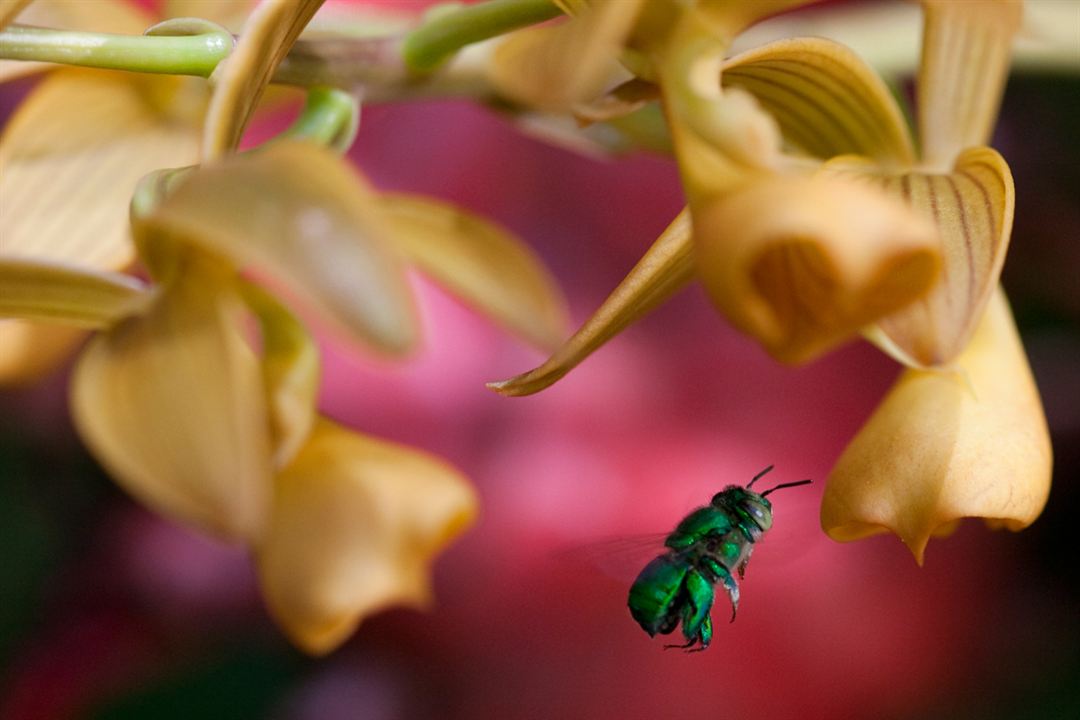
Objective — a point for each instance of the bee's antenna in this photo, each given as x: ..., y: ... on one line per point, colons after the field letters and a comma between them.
x: 781, y: 486
x: 758, y: 476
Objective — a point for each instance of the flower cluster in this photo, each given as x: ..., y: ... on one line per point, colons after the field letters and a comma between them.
x: 813, y: 217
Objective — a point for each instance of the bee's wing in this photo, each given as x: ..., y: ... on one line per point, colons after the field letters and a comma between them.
x: 621, y: 557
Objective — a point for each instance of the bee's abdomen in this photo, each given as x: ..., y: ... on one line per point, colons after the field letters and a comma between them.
x: 653, y: 599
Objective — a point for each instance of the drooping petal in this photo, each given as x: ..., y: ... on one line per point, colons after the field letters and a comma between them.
x: 241, y: 79
x: 555, y: 66
x: 801, y: 264
x: 948, y: 445
x: 301, y: 213
x: 826, y: 100
x: 291, y: 370
x: 667, y: 266
x: 67, y: 294
x: 172, y: 404
x: 965, y: 61
x: 481, y: 263
x: 972, y: 208
x: 356, y: 523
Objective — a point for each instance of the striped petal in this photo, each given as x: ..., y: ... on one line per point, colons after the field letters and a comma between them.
x: 66, y: 185
x: 802, y: 264
x: 667, y: 266
x: 290, y: 370
x: 948, y: 445
x: 171, y: 404
x: 972, y: 208
x: 826, y: 100
x: 65, y: 294
x: 241, y: 79
x: 965, y: 61
x: 356, y: 524
x: 301, y: 213
x: 480, y: 262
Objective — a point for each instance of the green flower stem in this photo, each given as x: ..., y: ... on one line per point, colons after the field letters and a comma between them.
x: 330, y: 117
x: 426, y: 47
x: 175, y: 55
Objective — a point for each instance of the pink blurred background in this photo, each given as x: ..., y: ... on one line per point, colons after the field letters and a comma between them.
x: 115, y: 613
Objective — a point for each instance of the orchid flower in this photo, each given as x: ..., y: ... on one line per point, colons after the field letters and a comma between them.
x: 198, y: 393
x: 812, y: 217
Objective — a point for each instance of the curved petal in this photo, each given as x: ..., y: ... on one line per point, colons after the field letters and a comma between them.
x: 69, y: 295
x: 965, y: 62
x: 944, y: 446
x: 290, y: 369
x: 666, y: 267
x: 172, y: 405
x: 555, y: 66
x: 356, y: 524
x: 241, y: 79
x: 480, y: 262
x: 825, y: 98
x: 66, y: 185
x: 801, y: 264
x: 303, y: 214
x: 973, y: 210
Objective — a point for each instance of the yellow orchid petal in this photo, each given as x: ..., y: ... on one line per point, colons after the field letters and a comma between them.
x: 66, y: 185
x: 667, y: 266
x: 241, y: 79
x: 9, y: 9
x: 108, y: 16
x: 29, y: 351
x: 355, y: 525
x: 973, y: 210
x: 304, y: 215
x: 944, y: 446
x: 290, y: 365
x: 480, y: 262
x: 826, y: 100
x: 227, y: 13
x: 965, y: 61
x: 171, y: 403
x: 555, y: 66
x: 801, y: 264
x: 67, y: 294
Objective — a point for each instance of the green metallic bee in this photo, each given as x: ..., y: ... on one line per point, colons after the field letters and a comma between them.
x: 704, y: 549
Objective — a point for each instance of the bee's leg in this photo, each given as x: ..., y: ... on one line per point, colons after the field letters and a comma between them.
x: 723, y: 575
x: 704, y: 635
x: 696, y: 625
x: 741, y: 569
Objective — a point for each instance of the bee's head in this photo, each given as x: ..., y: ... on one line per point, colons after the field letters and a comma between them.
x: 746, y: 503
